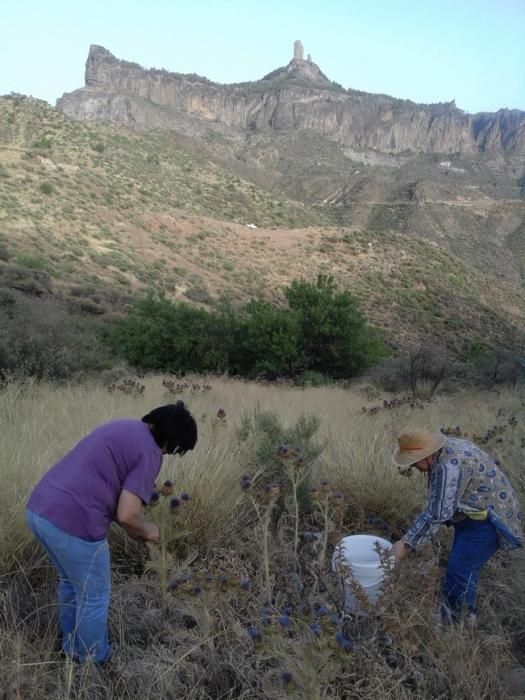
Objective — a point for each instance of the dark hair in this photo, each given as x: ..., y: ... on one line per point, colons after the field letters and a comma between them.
x: 173, y: 427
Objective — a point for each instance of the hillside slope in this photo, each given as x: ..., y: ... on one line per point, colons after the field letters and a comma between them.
x: 106, y: 212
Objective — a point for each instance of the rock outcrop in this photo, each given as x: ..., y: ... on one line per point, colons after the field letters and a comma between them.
x: 297, y: 96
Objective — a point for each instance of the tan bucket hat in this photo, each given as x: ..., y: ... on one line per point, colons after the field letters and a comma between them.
x: 416, y: 444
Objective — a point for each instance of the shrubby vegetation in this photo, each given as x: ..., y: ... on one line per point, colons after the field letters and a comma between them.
x: 41, y: 339
x: 253, y: 608
x: 322, y: 330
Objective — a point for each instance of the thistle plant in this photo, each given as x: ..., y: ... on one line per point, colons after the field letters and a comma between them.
x: 330, y: 505
x: 267, y: 501
x: 296, y: 473
x: 164, y: 508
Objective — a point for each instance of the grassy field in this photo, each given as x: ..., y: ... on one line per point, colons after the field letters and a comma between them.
x: 254, y: 606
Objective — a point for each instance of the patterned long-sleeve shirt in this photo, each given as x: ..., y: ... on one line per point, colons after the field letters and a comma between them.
x: 466, y: 481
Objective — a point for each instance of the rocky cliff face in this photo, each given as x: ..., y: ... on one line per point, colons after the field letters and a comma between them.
x: 298, y: 96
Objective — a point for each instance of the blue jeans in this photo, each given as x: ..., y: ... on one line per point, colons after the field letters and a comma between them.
x: 83, y: 591
x: 475, y: 541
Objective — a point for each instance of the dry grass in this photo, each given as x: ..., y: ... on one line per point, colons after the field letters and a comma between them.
x: 195, y: 644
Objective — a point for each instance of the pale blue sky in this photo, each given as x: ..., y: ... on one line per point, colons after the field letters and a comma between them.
x: 424, y: 50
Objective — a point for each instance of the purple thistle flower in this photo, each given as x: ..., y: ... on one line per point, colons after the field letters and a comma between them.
x: 334, y: 619
x: 344, y: 641
x: 185, y: 496
x: 254, y: 633
x: 168, y: 483
x: 287, y: 610
x: 223, y: 580
x: 246, y: 482
x: 197, y: 590
x: 284, y: 621
x: 245, y: 584
x: 322, y: 610
x: 174, y: 503
x: 286, y: 677
x: 154, y: 497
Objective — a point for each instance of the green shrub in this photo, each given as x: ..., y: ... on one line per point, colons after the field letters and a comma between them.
x: 46, y: 188
x: 41, y: 339
x: 335, y: 338
x: 323, y: 334
x: 43, y: 144
x: 268, y: 342
x: 32, y: 262
x: 25, y: 279
x: 159, y: 334
x: 5, y: 254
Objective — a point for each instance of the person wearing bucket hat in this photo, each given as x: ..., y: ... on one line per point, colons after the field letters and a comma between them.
x: 466, y: 489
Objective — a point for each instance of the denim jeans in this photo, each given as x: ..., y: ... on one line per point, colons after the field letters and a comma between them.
x: 83, y: 591
x: 475, y: 541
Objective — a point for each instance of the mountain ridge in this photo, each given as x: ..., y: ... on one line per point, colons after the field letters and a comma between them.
x: 297, y: 96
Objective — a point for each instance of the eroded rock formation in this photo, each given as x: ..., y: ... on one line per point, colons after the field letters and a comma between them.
x: 297, y: 96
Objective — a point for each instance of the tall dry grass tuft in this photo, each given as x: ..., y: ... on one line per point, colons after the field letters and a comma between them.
x: 246, y: 617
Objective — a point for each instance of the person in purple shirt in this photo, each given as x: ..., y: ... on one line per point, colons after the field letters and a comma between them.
x: 107, y: 477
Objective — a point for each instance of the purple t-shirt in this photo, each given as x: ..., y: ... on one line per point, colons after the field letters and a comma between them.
x: 80, y: 493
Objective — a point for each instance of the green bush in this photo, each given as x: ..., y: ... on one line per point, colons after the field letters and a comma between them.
x: 162, y: 335
x: 46, y: 188
x: 5, y: 254
x: 321, y: 335
x: 41, y: 339
x: 32, y: 262
x: 43, y: 144
x: 25, y: 279
x: 334, y: 337
x: 268, y: 342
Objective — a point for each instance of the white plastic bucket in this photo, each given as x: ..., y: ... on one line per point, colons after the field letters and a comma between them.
x: 362, y: 560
